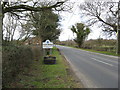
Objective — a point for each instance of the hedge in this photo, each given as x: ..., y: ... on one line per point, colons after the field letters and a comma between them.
x: 14, y: 60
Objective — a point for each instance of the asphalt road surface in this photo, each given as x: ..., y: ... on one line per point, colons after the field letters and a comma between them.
x: 93, y: 69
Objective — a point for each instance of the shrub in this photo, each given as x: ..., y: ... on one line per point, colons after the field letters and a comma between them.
x: 15, y: 59
x: 37, y: 52
x: 100, y: 45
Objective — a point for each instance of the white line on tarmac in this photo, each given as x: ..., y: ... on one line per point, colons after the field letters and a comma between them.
x: 82, y: 77
x: 102, y: 62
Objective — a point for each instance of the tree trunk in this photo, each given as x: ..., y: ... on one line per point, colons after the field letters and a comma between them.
x: 118, y: 42
x: 79, y: 45
x: 1, y: 19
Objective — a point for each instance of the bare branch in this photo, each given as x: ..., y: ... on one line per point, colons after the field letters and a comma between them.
x: 100, y: 12
x: 22, y: 7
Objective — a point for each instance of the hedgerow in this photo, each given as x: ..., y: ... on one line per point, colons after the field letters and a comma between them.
x: 14, y: 60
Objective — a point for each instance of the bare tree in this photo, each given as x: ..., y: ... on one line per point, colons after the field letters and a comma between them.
x: 9, y: 27
x: 13, y: 25
x: 103, y: 12
x: 107, y: 13
x: 25, y: 31
x: 21, y: 9
x: 23, y: 6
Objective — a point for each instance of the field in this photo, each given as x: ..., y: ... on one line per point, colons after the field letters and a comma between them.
x: 103, y: 46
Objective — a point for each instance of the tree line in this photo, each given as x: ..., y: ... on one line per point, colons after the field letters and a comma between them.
x: 31, y: 18
x: 102, y: 13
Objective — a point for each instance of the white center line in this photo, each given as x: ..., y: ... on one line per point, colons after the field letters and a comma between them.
x: 102, y: 62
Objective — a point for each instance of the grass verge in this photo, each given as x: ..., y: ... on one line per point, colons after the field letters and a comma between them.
x: 102, y: 52
x: 47, y: 76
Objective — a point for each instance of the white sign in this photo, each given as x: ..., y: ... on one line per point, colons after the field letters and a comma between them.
x: 47, y: 44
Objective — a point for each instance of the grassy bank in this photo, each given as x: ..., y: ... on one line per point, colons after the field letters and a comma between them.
x: 102, y: 52
x: 47, y: 76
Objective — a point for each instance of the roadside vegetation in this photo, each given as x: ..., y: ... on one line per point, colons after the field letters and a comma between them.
x: 81, y: 32
x: 98, y: 12
x: 23, y: 21
x: 25, y: 25
x: 15, y: 59
x: 100, y: 45
x: 40, y: 75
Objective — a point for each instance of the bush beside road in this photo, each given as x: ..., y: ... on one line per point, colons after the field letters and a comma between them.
x: 99, y: 45
x: 40, y: 75
x: 14, y: 60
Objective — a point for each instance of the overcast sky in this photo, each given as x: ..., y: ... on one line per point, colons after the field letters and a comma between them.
x: 70, y: 19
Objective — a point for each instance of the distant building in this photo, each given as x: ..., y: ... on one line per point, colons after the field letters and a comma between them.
x: 33, y: 41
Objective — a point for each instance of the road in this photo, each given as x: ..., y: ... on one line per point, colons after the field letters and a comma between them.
x: 93, y: 69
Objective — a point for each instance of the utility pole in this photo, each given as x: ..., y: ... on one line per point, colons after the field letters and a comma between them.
x: 118, y: 30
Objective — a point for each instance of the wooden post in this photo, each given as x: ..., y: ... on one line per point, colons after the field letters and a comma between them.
x: 118, y: 30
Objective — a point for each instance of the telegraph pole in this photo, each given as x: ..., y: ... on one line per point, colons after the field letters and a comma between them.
x: 118, y: 30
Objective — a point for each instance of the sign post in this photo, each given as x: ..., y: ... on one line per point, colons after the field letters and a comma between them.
x: 47, y: 46
x: 48, y: 58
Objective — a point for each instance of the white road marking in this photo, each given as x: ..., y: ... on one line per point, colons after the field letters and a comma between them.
x: 113, y: 61
x: 82, y: 77
x: 102, y: 62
